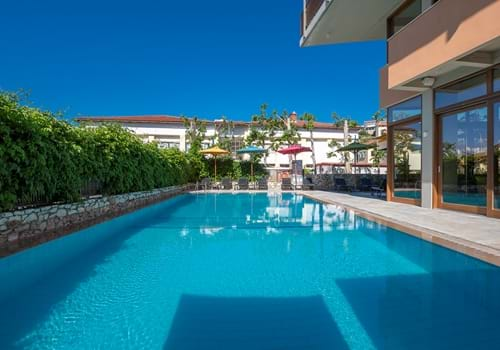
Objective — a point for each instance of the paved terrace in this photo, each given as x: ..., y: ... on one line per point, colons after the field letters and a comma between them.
x: 474, y: 235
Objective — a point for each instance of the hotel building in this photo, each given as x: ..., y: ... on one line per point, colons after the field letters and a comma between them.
x: 441, y: 89
x: 170, y: 131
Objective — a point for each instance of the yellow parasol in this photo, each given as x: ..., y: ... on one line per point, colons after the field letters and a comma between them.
x: 215, y: 151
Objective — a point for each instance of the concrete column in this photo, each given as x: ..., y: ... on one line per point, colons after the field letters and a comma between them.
x: 427, y: 147
x: 182, y: 141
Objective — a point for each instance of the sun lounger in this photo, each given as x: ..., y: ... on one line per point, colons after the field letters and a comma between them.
x: 379, y: 190
x: 262, y: 184
x: 365, y: 184
x: 227, y: 184
x: 243, y: 183
x: 341, y: 185
x: 286, y: 184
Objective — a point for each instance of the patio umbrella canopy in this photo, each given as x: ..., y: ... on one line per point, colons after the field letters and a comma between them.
x: 251, y: 150
x: 355, y: 147
x: 215, y: 151
x: 294, y: 150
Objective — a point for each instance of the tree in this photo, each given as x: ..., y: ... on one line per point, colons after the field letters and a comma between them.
x: 377, y: 156
x: 276, y: 127
x: 195, y: 133
x: 223, y: 135
x: 309, y: 120
x: 335, y: 145
x: 379, y: 115
x: 338, y: 121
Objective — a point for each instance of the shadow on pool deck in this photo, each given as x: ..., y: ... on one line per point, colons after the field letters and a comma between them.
x: 448, y: 310
x: 206, y: 323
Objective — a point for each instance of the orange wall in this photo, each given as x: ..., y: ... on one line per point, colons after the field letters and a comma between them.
x: 447, y: 31
x: 390, y: 97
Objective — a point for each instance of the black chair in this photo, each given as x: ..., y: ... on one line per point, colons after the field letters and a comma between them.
x: 262, y: 184
x: 341, y: 185
x: 365, y: 184
x: 308, y: 184
x: 286, y: 184
x: 227, y: 184
x: 379, y: 190
x: 243, y: 183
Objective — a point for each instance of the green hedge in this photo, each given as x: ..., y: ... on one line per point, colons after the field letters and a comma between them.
x: 45, y: 159
x: 227, y: 167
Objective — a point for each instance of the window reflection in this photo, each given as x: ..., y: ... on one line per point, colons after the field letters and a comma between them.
x: 461, y: 91
x: 496, y: 150
x: 401, y: 19
x: 464, y: 157
x: 405, y: 110
x: 496, y: 80
x: 407, y: 143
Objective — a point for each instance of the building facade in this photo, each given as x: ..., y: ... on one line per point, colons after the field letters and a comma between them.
x: 170, y: 131
x: 441, y: 88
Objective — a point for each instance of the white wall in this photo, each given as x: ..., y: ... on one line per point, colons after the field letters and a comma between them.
x: 176, y: 133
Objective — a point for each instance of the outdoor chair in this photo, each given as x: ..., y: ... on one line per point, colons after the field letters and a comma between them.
x: 206, y: 183
x: 365, y: 184
x: 379, y: 190
x: 308, y: 184
x: 227, y: 184
x: 286, y: 184
x: 243, y: 183
x: 341, y: 185
x: 262, y: 184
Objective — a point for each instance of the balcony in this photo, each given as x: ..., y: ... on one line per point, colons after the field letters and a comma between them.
x: 340, y: 21
x: 307, y: 15
x: 448, y: 41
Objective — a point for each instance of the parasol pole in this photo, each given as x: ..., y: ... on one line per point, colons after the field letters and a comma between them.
x: 215, y: 167
x: 251, y: 167
x: 295, y: 171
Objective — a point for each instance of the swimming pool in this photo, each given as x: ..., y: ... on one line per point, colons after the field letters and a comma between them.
x: 240, y: 271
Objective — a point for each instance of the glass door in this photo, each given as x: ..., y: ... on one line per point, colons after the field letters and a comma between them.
x: 496, y: 158
x: 463, y: 160
x: 407, y: 162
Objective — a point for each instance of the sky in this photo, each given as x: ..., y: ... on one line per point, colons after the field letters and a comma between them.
x: 181, y: 57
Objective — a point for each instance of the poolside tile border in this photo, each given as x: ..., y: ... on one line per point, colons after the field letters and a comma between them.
x: 470, y: 248
x: 22, y: 229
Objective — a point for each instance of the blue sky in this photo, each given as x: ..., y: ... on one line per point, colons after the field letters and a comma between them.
x: 192, y: 57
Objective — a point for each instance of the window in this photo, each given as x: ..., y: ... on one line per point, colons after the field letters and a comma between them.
x: 496, y: 157
x: 407, y: 153
x: 405, y: 110
x: 403, y: 16
x: 496, y: 80
x: 461, y: 91
x: 464, y: 157
x: 165, y: 145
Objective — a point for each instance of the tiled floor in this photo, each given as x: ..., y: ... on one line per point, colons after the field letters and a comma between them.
x: 474, y: 235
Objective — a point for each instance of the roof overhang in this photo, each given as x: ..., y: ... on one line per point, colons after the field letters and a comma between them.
x: 340, y: 21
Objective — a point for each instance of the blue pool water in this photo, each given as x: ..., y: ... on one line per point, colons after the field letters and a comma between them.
x: 246, y: 272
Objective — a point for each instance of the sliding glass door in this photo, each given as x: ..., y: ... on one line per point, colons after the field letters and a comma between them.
x: 496, y: 156
x: 464, y: 159
x: 407, y: 155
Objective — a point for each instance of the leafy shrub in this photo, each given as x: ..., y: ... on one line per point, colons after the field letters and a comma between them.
x: 44, y: 159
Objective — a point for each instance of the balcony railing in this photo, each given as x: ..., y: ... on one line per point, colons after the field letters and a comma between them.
x: 312, y: 7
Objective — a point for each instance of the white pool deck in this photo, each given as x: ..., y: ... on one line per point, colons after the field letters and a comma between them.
x: 474, y: 235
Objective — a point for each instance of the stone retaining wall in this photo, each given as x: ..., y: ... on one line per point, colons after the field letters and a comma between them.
x: 21, y: 229
x: 325, y: 182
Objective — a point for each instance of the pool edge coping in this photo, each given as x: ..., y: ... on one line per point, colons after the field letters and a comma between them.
x: 470, y: 248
